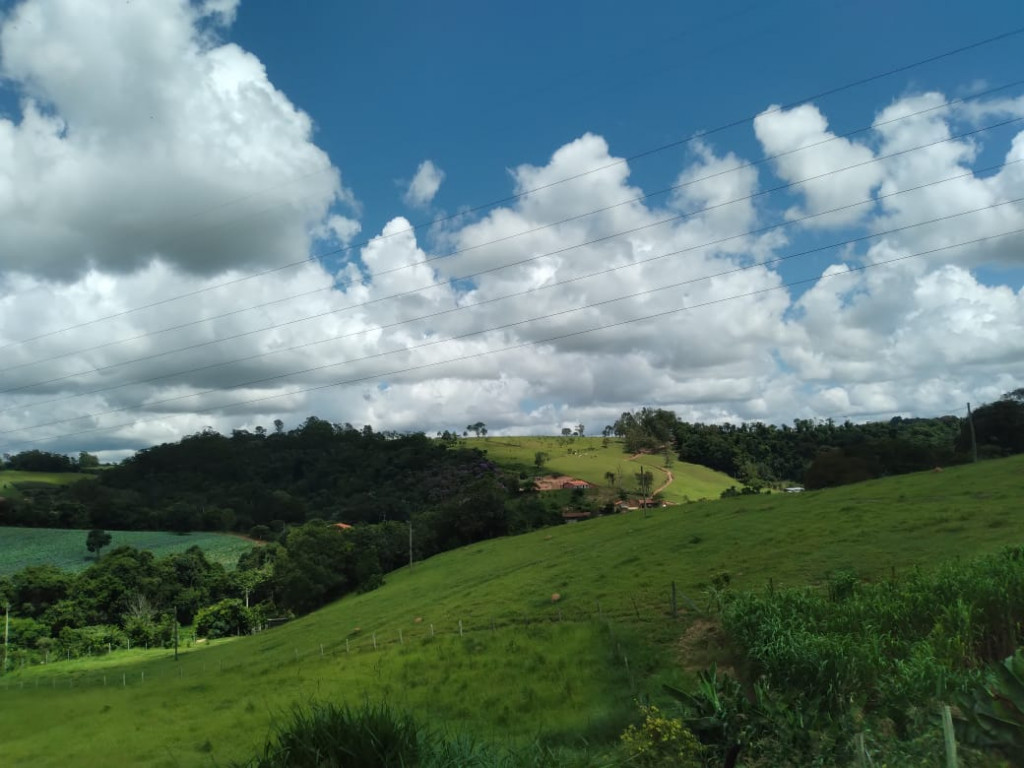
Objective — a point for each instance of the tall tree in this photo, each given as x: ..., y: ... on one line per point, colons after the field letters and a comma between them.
x: 96, y: 540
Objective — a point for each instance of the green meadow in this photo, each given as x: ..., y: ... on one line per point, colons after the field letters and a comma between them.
x: 66, y: 549
x: 10, y: 478
x: 591, y: 458
x: 526, y: 666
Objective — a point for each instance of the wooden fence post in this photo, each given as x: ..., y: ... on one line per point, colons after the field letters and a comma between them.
x: 950, y: 737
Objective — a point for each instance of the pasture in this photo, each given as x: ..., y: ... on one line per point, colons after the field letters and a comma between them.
x: 588, y: 458
x: 66, y: 549
x: 10, y: 478
x: 527, y: 667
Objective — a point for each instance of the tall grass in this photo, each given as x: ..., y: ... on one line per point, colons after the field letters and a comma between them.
x: 324, y: 735
x: 887, y: 646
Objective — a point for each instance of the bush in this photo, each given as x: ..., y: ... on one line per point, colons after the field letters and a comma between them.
x: 371, y: 736
x: 226, y: 618
x: 661, y: 741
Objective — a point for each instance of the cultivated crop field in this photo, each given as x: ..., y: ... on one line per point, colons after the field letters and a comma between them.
x: 527, y: 666
x: 66, y: 549
x: 589, y: 459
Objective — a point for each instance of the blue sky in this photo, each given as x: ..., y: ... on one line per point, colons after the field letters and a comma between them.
x: 480, y: 87
x: 157, y: 158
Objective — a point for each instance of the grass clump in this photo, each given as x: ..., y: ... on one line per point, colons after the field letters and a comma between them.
x: 326, y: 735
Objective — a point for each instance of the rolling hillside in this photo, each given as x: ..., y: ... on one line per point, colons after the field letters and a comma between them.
x: 526, y: 666
x: 588, y: 458
x: 10, y: 478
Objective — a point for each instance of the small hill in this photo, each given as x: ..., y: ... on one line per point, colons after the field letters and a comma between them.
x: 525, y: 663
x: 593, y: 458
x: 10, y: 479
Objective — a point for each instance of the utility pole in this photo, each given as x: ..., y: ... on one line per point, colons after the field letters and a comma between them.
x: 175, y: 634
x: 410, y: 542
x: 974, y: 440
x: 7, y: 631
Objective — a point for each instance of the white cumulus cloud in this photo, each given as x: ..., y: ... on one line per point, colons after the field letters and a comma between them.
x: 424, y: 185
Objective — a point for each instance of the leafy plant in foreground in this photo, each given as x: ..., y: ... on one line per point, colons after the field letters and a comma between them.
x: 662, y: 741
x: 993, y: 713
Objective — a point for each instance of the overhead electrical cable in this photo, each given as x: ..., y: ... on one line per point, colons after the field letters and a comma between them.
x: 534, y: 290
x: 446, y: 281
x: 851, y: 270
x: 510, y: 198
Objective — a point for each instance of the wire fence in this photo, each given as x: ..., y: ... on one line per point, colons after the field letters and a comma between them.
x: 195, y: 662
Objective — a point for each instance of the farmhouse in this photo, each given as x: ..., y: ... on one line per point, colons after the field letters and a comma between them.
x: 574, y: 484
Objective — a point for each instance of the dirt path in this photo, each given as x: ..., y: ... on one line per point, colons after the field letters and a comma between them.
x: 668, y: 474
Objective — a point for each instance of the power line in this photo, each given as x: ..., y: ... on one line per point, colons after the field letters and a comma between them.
x: 466, y: 307
x: 511, y: 198
x: 513, y: 347
x: 438, y: 283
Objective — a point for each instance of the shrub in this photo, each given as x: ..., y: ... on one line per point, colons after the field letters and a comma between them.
x: 226, y: 618
x: 661, y: 741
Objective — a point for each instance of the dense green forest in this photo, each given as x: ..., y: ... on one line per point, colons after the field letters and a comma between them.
x: 822, y: 454
x: 263, y: 482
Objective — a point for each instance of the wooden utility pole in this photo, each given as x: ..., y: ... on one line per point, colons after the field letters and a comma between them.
x: 974, y: 440
x: 7, y: 632
x: 410, y: 542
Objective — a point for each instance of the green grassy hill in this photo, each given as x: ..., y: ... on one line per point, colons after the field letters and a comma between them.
x: 66, y: 549
x: 525, y: 666
x: 10, y: 478
x: 590, y: 459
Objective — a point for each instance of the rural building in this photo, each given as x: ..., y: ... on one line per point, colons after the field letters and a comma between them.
x: 572, y: 485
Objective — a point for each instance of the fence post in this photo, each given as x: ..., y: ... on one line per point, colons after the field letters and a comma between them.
x: 950, y: 737
x: 862, y: 753
x: 431, y: 630
x: 321, y: 649
x: 460, y: 627
x: 375, y: 641
x: 401, y: 640
x: 675, y: 609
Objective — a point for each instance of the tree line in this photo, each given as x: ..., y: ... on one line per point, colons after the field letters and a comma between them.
x: 261, y: 482
x: 821, y: 454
